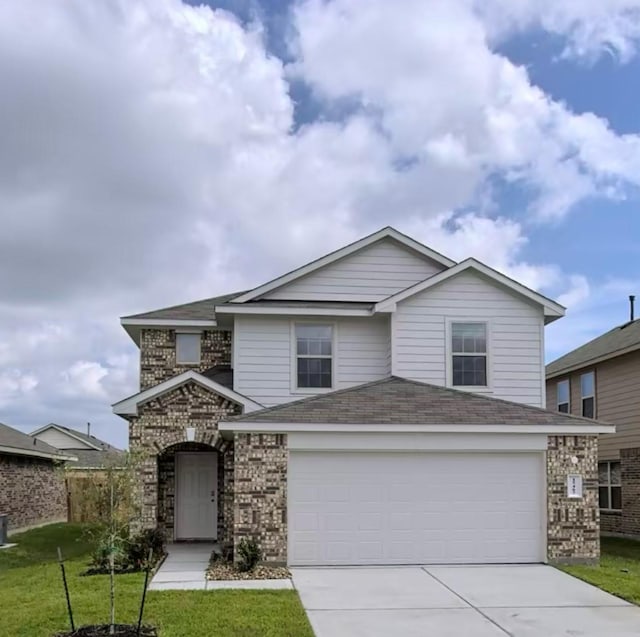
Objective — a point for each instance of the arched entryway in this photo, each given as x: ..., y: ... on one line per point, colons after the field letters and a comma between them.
x: 191, y: 487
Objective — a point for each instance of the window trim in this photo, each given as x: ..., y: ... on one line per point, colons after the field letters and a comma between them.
x: 194, y: 333
x: 568, y: 402
x: 582, y: 398
x: 609, y: 485
x: 294, y: 357
x: 449, y: 354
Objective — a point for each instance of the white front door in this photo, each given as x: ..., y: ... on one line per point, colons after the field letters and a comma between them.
x: 196, y: 500
x: 415, y: 508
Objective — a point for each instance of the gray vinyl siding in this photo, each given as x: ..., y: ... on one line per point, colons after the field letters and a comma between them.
x: 60, y: 440
x: 263, y: 356
x: 371, y: 274
x: 515, y: 346
x: 617, y: 401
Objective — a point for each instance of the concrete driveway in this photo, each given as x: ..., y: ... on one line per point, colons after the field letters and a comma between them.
x: 455, y: 601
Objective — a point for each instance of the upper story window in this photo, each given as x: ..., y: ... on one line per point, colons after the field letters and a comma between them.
x: 610, y: 485
x: 469, y: 354
x: 564, y: 392
x: 588, y: 394
x: 187, y: 348
x: 314, y: 356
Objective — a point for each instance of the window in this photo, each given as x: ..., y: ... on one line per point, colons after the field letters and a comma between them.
x: 609, y: 481
x: 469, y: 354
x: 314, y: 356
x: 588, y: 393
x: 188, y: 348
x: 563, y: 396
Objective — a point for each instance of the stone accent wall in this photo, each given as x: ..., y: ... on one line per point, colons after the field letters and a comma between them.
x: 32, y: 491
x: 573, y: 524
x: 260, y: 503
x: 158, y: 355
x: 161, y: 425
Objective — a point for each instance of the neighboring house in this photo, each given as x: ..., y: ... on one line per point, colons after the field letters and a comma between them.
x: 32, y: 490
x: 91, y: 453
x: 601, y: 379
x: 380, y: 405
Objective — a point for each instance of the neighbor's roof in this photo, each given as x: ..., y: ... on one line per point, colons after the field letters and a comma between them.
x: 197, y: 310
x: 16, y: 442
x: 620, y: 340
x: 96, y: 443
x: 398, y: 401
x: 93, y: 459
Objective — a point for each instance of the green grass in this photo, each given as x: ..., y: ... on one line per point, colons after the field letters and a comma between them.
x: 33, y: 603
x: 619, y: 570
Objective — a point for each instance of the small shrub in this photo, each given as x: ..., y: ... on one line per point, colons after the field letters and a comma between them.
x: 138, y: 548
x: 99, y: 561
x: 249, y: 555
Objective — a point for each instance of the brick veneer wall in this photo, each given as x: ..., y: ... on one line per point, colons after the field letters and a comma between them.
x: 630, y: 470
x: 158, y: 354
x: 32, y: 491
x: 161, y: 424
x: 573, y: 525
x: 260, y: 502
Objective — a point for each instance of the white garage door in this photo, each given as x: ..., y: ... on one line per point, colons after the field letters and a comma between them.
x: 415, y: 508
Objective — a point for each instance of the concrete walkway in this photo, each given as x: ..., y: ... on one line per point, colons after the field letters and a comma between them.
x: 450, y: 601
x: 185, y: 569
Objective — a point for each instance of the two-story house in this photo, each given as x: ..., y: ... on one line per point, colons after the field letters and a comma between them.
x: 380, y: 405
x: 601, y: 379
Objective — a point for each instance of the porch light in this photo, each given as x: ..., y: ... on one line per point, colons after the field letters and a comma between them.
x: 191, y: 433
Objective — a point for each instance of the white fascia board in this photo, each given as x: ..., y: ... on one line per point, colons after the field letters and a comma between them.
x: 551, y: 308
x: 168, y: 322
x: 290, y: 311
x: 129, y: 406
x: 14, y: 451
x: 66, y: 433
x: 343, y: 252
x: 552, y: 430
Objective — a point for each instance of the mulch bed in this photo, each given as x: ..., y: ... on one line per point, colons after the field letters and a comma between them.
x: 222, y: 570
x: 103, y: 630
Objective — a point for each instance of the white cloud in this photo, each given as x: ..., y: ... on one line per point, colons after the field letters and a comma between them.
x: 150, y: 156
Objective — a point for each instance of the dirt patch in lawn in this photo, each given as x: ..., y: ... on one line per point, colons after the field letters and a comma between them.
x: 103, y: 630
x: 222, y: 570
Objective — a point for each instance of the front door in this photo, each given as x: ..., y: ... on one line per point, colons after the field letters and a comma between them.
x: 196, y: 502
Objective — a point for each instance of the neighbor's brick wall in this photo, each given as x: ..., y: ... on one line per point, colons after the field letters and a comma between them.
x: 158, y: 355
x: 630, y: 470
x: 32, y: 491
x: 160, y: 424
x: 573, y: 525
x: 260, y: 503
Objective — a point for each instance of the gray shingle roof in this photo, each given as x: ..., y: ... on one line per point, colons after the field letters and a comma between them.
x: 222, y: 374
x: 92, y: 440
x: 618, y: 339
x: 94, y: 459
x: 197, y: 310
x: 21, y: 442
x: 398, y: 401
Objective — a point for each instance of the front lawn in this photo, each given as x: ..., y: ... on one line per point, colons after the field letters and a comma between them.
x: 33, y: 603
x: 619, y: 570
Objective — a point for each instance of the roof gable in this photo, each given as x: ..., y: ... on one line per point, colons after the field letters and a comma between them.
x: 13, y: 441
x: 129, y: 406
x: 552, y: 310
x: 63, y: 437
x: 433, y: 261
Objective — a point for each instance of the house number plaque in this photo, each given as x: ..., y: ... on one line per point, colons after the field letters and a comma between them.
x: 574, y: 486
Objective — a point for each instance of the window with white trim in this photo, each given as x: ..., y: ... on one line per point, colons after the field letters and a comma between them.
x: 187, y: 348
x: 564, y: 396
x: 588, y: 394
x: 610, y: 485
x: 469, y: 354
x: 314, y: 356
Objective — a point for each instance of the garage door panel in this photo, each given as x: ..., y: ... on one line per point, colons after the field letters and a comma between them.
x: 395, y: 508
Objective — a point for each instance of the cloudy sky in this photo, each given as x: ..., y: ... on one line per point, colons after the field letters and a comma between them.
x: 154, y: 152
